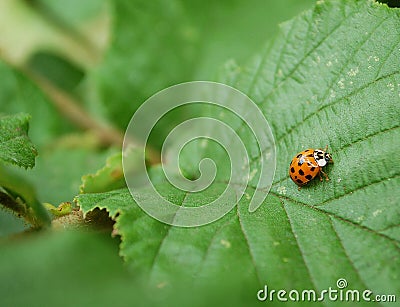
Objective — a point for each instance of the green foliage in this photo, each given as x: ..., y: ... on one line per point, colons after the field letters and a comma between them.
x: 16, y: 148
x: 20, y: 196
x: 19, y: 94
x: 62, y: 73
x: 183, y: 41
x: 330, y: 77
x: 61, y: 269
x: 15, y: 145
x: 74, y: 13
x: 60, y: 170
x: 9, y: 223
x: 53, y: 179
x: 110, y: 177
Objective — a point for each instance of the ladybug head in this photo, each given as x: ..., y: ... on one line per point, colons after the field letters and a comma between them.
x: 322, y: 157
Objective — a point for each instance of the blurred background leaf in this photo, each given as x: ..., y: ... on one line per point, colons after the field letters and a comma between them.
x: 19, y: 94
x: 113, y: 55
x: 10, y: 223
x: 78, y: 31
x: 184, y: 41
x: 63, y: 269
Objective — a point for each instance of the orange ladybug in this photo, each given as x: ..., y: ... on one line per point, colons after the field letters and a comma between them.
x: 308, y: 164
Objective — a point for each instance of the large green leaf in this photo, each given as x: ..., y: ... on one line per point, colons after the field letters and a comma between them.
x: 331, y: 77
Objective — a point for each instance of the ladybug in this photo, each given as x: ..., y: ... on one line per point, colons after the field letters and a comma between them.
x: 308, y: 164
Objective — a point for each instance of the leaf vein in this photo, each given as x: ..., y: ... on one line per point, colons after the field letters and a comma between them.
x: 334, y: 102
x: 362, y: 227
x: 299, y: 245
x: 351, y: 57
x: 395, y: 45
x: 246, y: 239
x: 298, y: 64
x: 345, y: 252
x: 164, y: 237
x: 357, y: 189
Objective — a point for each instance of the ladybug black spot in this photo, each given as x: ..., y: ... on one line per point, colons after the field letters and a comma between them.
x: 299, y: 181
x: 310, y: 155
x: 292, y: 170
x: 308, y: 177
x: 312, y: 169
x: 298, y: 156
x: 301, y: 172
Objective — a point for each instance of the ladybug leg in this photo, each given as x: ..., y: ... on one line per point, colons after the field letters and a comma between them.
x: 320, y: 177
x: 325, y: 175
x: 325, y: 149
x: 298, y: 188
